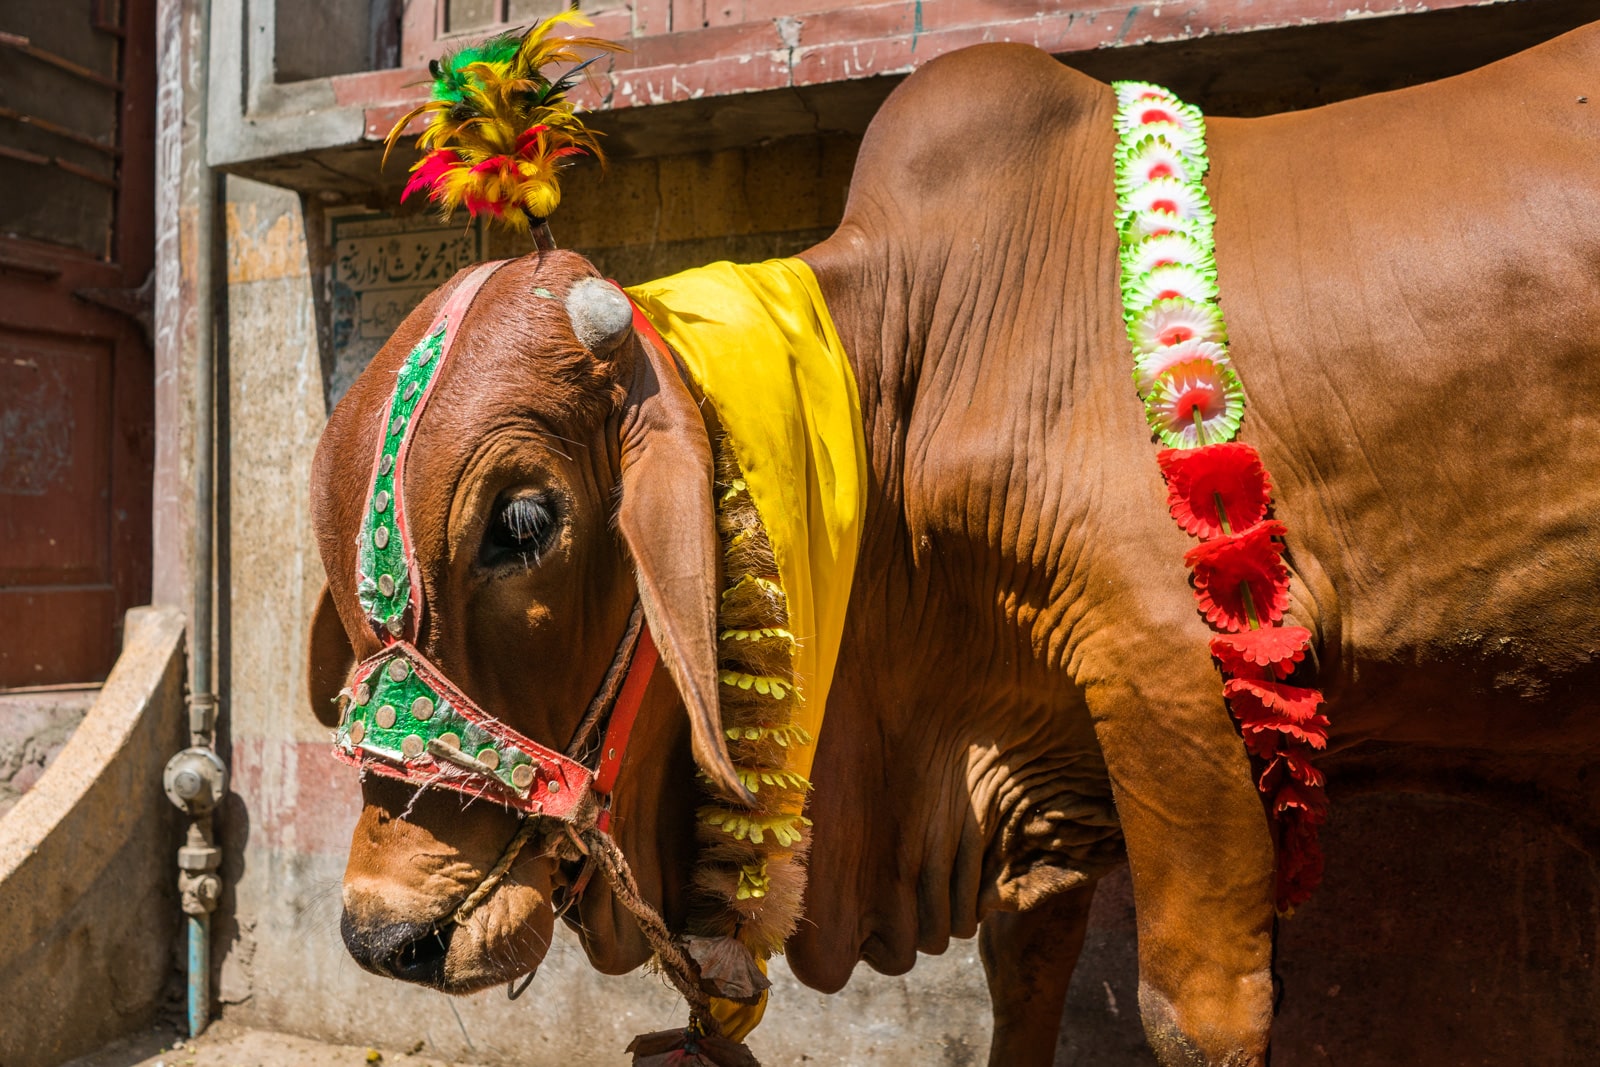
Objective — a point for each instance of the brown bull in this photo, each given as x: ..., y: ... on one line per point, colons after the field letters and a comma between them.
x: 1412, y: 285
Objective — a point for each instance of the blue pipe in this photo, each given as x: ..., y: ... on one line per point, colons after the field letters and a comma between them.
x: 199, y: 973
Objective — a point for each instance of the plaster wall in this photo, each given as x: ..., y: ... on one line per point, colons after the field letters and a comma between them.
x: 1446, y: 933
x: 34, y: 727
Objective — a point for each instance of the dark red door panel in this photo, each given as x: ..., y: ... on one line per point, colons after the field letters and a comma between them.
x: 76, y: 376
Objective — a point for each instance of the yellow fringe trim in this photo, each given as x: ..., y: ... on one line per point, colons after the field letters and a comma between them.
x: 784, y: 735
x: 754, y: 778
x: 785, y: 829
x: 765, y: 633
x: 753, y: 881
x: 752, y: 860
x: 766, y: 585
x: 776, y: 688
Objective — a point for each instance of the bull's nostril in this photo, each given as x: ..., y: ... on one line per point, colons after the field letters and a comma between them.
x: 422, y: 960
x: 411, y: 951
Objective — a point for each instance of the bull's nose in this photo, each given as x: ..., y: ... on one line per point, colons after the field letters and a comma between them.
x: 412, y: 952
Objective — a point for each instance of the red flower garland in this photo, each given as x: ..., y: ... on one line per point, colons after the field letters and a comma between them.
x: 1217, y: 489
x: 1242, y: 587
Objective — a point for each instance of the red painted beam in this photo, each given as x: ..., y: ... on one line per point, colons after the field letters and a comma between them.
x: 773, y: 48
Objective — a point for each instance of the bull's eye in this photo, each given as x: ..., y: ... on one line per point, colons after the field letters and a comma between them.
x: 521, y: 529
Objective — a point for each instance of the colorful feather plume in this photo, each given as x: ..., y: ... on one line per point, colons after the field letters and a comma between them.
x: 501, y: 129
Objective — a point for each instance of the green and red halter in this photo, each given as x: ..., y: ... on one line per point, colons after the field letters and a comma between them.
x: 404, y: 718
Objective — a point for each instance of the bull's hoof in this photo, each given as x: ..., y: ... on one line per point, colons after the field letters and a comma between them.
x: 1176, y: 1048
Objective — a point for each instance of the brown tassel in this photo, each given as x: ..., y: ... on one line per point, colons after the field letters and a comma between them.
x: 685, y: 1048
x: 727, y: 969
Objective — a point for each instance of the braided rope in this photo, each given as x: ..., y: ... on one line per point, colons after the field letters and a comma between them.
x: 497, y: 872
x: 680, y: 969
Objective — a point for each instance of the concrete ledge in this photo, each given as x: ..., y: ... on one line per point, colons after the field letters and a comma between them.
x: 87, y: 868
x: 730, y: 85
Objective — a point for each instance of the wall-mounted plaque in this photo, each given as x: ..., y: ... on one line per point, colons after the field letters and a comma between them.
x: 382, y: 267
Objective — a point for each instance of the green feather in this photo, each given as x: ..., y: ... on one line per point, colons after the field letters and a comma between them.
x: 449, y: 72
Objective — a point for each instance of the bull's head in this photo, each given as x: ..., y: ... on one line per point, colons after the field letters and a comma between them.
x: 562, y: 473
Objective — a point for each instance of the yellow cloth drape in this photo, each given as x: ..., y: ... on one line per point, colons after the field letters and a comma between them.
x: 760, y: 342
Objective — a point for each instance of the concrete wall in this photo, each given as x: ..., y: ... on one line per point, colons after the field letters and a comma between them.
x: 34, y: 727
x: 1446, y: 934
x: 87, y: 864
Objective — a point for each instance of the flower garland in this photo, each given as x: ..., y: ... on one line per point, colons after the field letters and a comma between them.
x: 1218, y: 490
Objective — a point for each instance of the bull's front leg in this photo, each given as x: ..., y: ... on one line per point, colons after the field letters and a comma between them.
x: 1029, y: 957
x: 1199, y: 848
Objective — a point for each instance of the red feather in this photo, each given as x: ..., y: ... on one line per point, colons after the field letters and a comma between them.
x: 1222, y: 564
x: 432, y: 167
x: 529, y: 135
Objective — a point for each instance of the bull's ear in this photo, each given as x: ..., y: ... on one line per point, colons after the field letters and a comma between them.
x: 668, y: 520
x: 329, y: 660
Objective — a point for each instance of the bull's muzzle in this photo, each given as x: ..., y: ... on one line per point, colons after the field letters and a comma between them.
x: 412, y: 952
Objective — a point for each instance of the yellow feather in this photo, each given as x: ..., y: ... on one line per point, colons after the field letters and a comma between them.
x: 483, y: 115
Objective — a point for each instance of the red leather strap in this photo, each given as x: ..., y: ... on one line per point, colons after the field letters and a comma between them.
x: 645, y: 326
x: 645, y: 658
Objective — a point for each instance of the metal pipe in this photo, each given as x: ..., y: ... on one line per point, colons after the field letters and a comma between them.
x: 196, y: 780
x: 199, y: 964
x: 202, y: 700
x: 199, y: 859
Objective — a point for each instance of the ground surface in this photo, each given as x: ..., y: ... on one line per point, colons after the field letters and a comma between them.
x: 226, y: 1044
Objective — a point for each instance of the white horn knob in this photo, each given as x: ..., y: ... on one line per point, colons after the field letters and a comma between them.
x: 601, y: 315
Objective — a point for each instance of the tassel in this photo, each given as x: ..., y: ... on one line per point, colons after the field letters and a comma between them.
x: 727, y: 969
x: 686, y: 1048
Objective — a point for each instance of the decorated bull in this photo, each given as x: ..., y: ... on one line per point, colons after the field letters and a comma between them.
x: 848, y: 587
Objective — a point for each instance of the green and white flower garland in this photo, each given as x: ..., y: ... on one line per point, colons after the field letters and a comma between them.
x: 1218, y: 490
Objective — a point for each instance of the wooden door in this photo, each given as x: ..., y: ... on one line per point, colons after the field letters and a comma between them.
x: 77, y: 440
